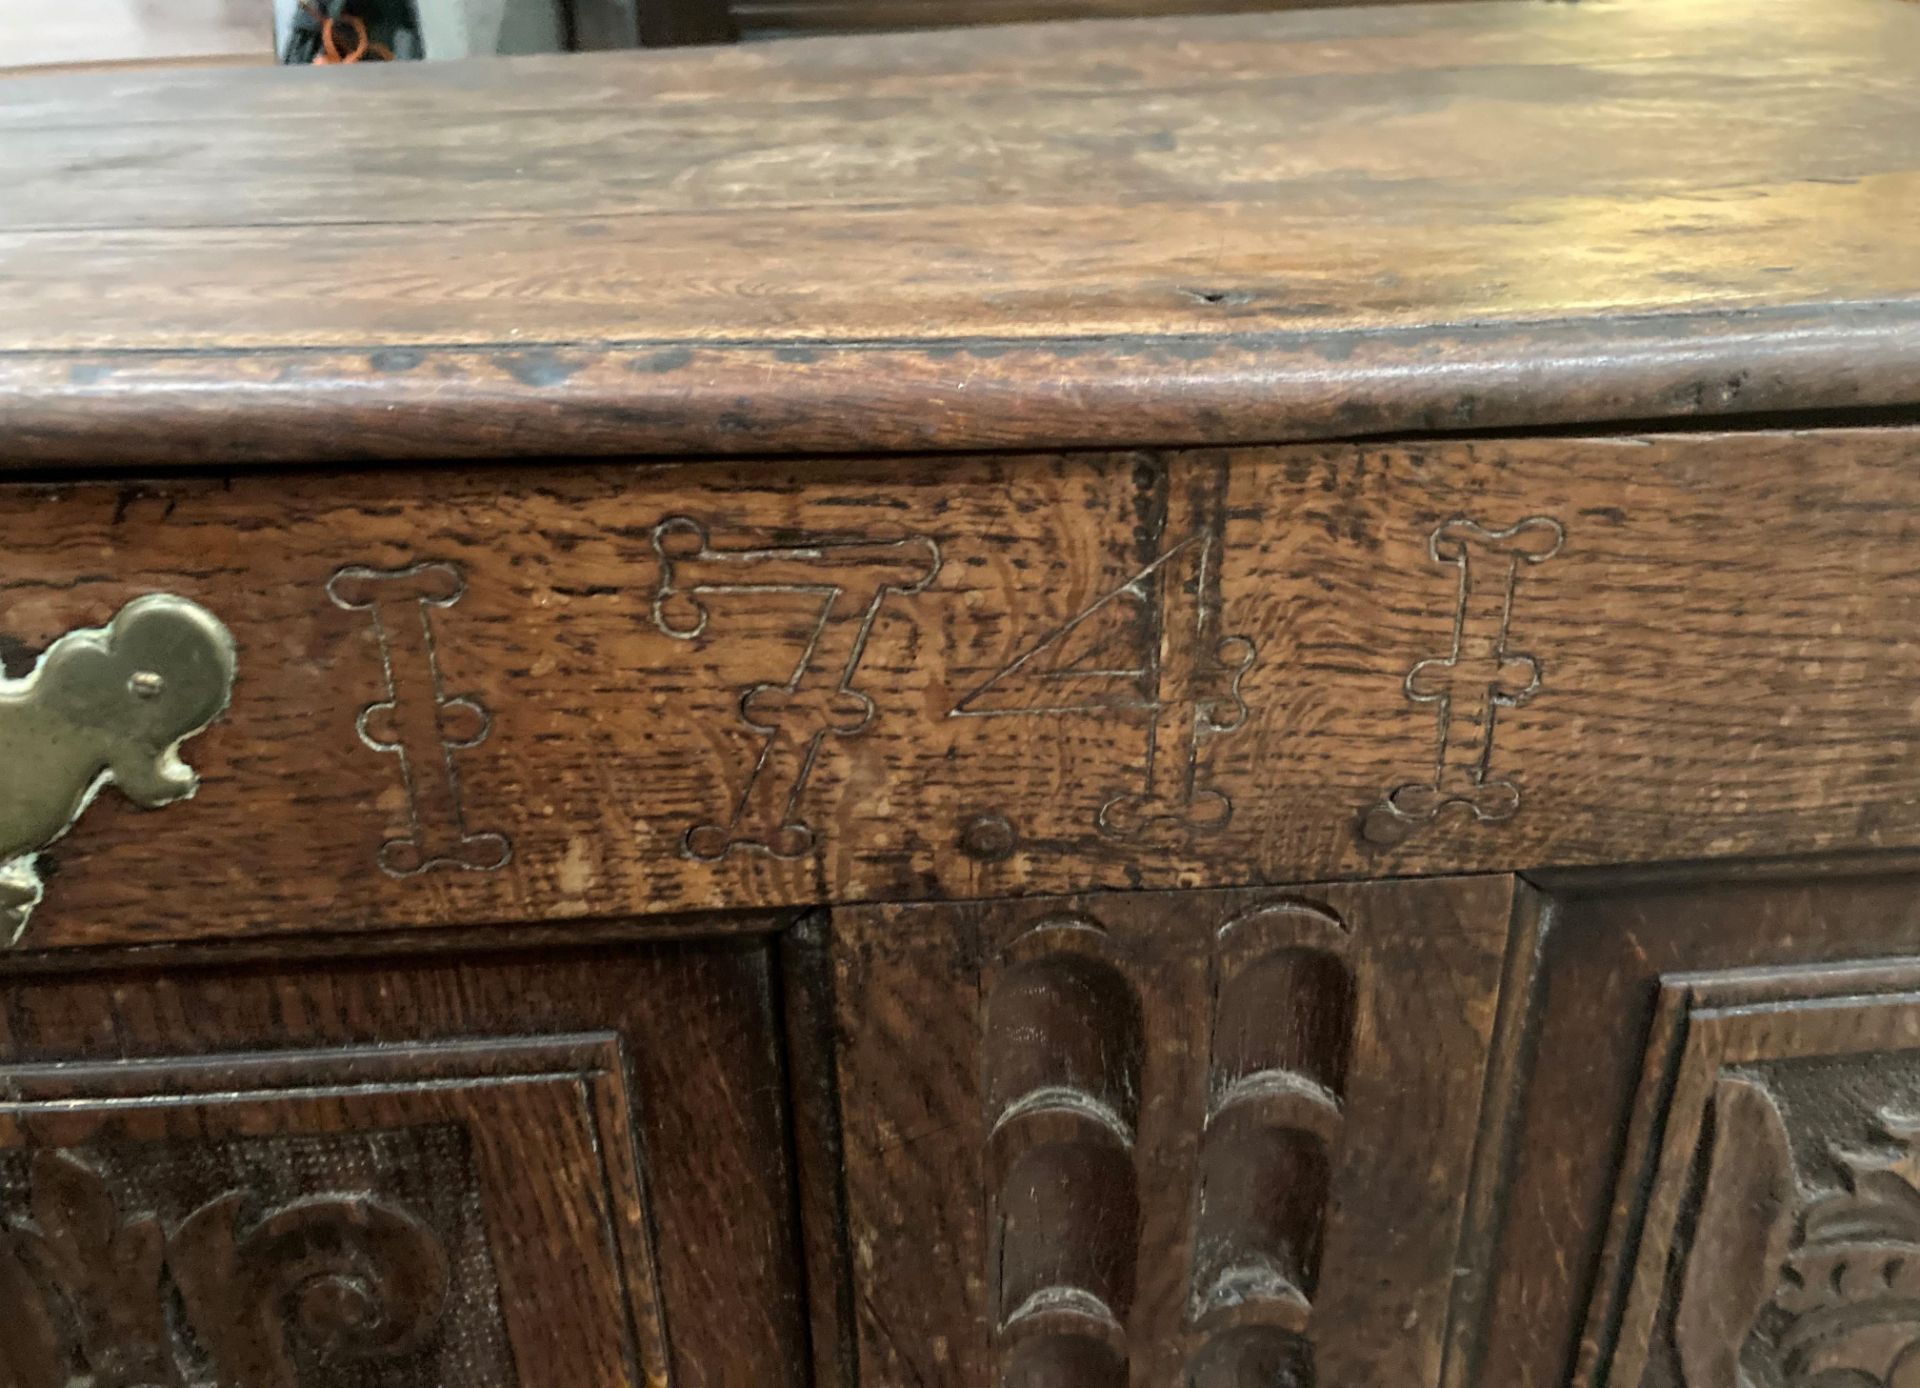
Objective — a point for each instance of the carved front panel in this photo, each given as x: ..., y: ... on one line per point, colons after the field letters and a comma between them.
x: 563, y: 1172
x: 1768, y: 1226
x: 349, y: 1218
x: 269, y: 1263
x: 1214, y: 1139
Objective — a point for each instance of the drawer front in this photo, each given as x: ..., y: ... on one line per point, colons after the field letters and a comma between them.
x: 1716, y: 1178
x: 499, y: 1173
x: 1224, y: 1139
x: 573, y: 692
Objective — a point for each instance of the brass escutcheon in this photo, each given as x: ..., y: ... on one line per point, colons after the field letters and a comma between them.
x: 103, y: 706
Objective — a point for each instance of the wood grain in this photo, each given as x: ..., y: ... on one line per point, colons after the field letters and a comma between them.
x: 1796, y: 1086
x: 569, y: 693
x: 1298, y: 1078
x: 1231, y: 229
x: 594, y: 1141
x: 91, y: 1284
x: 819, y: 1148
x: 1771, y: 970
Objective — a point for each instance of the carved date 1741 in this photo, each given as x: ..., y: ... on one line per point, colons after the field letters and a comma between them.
x: 323, y: 1279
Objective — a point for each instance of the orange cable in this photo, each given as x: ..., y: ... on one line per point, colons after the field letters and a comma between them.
x: 330, y: 51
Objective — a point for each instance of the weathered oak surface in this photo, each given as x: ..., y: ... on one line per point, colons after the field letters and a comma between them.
x: 1244, y: 228
x: 944, y: 700
x: 1218, y: 1138
x: 509, y: 1169
x: 1787, y: 1008
x: 571, y: 692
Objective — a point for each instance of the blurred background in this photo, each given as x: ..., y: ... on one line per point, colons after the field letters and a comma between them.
x: 39, y: 34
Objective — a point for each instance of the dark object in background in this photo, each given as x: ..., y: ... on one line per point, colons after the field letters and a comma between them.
x: 445, y: 29
x: 671, y: 22
x: 333, y: 31
x: 348, y: 31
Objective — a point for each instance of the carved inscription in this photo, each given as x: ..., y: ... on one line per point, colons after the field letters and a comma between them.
x: 819, y: 697
x: 418, y: 722
x: 1152, y: 647
x: 1468, y: 685
x: 265, y: 1294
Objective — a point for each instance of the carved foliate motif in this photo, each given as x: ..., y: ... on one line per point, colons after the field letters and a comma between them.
x: 1785, y: 1288
x: 1768, y: 1210
x: 265, y: 1299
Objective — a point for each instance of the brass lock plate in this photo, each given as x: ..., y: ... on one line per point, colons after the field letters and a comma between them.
x: 104, y: 706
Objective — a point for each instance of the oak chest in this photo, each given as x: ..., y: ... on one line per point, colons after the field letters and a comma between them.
x: 1212, y: 702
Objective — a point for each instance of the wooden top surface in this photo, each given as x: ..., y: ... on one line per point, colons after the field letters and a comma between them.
x: 1253, y: 227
